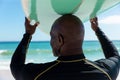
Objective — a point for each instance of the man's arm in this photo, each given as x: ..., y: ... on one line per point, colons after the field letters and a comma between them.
x: 18, y: 59
x: 108, y: 47
x: 112, y: 62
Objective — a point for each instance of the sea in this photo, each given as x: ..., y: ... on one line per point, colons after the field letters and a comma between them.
x: 41, y: 52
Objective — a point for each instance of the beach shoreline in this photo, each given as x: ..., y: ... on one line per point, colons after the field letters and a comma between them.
x: 6, y: 75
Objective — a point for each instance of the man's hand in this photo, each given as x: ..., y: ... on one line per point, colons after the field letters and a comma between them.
x: 94, y: 23
x: 30, y: 29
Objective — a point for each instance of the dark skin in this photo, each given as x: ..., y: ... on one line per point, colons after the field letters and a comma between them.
x: 67, y: 34
x: 30, y: 28
x: 94, y: 23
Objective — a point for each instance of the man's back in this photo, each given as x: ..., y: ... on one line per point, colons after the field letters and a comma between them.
x: 67, y: 68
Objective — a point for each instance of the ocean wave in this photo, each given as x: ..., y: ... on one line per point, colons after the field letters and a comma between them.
x: 3, y: 51
x: 92, y: 50
x: 118, y: 48
x: 43, y: 50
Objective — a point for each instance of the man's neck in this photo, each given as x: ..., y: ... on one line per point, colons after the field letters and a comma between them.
x: 71, y: 51
x: 71, y: 48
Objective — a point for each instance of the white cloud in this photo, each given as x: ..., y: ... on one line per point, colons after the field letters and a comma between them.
x: 115, y: 19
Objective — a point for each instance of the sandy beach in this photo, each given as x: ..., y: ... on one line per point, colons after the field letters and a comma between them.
x: 6, y: 75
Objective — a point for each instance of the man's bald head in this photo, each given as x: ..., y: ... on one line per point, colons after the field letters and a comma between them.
x: 69, y: 26
x: 67, y: 29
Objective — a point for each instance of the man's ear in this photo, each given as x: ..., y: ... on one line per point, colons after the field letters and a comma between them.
x: 61, y: 40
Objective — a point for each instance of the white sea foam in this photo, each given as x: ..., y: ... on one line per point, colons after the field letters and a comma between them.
x: 2, y: 51
x: 118, y: 48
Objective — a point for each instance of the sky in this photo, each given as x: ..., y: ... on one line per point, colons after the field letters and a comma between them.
x: 12, y: 23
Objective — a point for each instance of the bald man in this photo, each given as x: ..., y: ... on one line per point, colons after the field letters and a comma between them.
x: 67, y: 35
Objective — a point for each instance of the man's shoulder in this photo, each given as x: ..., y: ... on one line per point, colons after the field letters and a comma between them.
x: 32, y: 69
x: 40, y: 64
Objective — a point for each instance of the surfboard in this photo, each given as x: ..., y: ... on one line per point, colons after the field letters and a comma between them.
x: 47, y: 11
